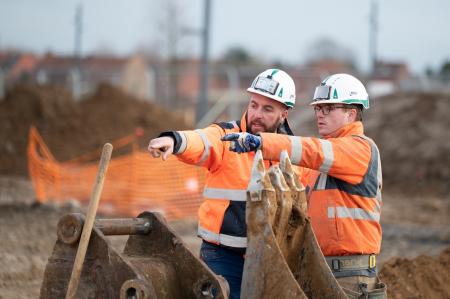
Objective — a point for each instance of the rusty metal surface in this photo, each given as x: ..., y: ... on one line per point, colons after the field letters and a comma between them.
x: 125, y: 226
x: 266, y: 273
x: 283, y: 260
x: 102, y: 275
x: 153, y: 265
x: 295, y: 233
x: 184, y: 275
x: 314, y: 275
x: 284, y: 206
x: 70, y: 226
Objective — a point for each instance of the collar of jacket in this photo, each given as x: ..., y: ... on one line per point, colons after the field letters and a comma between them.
x: 354, y: 128
x: 283, y: 128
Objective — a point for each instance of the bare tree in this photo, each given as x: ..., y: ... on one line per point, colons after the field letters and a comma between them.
x: 170, y: 24
x: 326, y: 48
x: 238, y: 55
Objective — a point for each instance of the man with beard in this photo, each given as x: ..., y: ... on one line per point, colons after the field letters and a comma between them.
x: 222, y: 214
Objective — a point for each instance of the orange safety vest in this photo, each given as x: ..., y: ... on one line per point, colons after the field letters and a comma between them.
x: 222, y: 214
x: 345, y: 198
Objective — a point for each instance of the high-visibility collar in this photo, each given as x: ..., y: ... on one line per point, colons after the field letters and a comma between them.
x: 243, y: 123
x: 354, y: 128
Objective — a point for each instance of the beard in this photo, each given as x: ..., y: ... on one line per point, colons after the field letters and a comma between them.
x: 265, y: 128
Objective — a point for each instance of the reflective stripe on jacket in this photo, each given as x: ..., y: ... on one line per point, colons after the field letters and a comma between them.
x: 222, y: 214
x: 345, y: 200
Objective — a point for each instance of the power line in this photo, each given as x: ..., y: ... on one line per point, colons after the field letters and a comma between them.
x: 373, y: 32
x: 202, y: 105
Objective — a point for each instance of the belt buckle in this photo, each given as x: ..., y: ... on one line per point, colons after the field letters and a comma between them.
x: 372, y: 261
x: 335, y: 264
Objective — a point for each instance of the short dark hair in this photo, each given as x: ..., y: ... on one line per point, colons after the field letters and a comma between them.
x: 359, y: 111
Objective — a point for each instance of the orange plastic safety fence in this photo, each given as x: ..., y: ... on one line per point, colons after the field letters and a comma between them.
x: 133, y: 183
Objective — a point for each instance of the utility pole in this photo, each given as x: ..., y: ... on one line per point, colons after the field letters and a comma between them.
x: 78, y: 33
x: 373, y: 31
x: 202, y: 105
x: 2, y: 84
x: 172, y: 25
x: 76, y: 71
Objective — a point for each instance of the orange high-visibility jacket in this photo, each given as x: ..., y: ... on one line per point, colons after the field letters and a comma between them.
x: 222, y: 214
x: 345, y: 200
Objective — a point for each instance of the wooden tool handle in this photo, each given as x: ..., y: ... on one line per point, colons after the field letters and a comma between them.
x: 89, y: 222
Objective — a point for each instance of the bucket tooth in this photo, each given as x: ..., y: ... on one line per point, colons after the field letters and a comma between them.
x: 260, y: 181
x: 284, y: 202
x: 293, y: 181
x: 297, y: 218
x: 257, y: 175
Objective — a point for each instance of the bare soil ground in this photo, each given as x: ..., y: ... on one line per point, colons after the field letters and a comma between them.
x: 28, y: 233
x: 411, y: 131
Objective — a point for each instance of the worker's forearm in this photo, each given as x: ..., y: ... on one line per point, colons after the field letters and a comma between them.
x: 344, y: 158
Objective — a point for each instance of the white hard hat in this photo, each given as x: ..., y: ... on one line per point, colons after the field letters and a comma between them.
x: 341, y: 88
x: 275, y: 84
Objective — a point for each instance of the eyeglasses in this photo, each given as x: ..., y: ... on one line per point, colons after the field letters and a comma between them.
x: 326, y: 109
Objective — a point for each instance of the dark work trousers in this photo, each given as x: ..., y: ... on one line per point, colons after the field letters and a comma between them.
x: 225, y: 262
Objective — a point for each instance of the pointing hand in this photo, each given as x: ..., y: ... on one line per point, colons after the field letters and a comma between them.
x: 161, y: 146
x: 243, y: 142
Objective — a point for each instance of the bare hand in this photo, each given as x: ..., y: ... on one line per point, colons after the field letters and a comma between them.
x: 161, y: 145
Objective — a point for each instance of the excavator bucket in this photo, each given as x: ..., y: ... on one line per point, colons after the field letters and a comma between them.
x: 154, y: 264
x: 283, y: 259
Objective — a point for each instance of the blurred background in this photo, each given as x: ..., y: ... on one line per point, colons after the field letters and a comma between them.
x: 159, y: 51
x: 82, y: 73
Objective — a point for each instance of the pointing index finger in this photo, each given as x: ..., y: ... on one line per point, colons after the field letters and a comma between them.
x: 230, y: 137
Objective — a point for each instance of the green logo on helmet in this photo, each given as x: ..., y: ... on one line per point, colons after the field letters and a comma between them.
x: 280, y: 94
x: 335, y: 95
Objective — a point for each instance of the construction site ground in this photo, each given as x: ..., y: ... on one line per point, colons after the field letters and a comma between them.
x: 415, y: 255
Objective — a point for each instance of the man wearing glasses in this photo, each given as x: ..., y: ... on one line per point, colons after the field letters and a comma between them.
x: 345, y: 190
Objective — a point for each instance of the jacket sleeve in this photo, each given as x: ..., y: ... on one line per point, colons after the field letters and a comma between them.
x: 202, y: 147
x: 346, y: 158
x: 303, y: 174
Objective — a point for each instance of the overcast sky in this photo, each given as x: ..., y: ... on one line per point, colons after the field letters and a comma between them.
x: 416, y: 32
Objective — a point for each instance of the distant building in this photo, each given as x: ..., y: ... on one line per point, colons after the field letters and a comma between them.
x: 53, y: 69
x: 86, y: 74
x: 16, y: 67
x: 137, y: 79
x: 388, y: 78
x: 328, y: 66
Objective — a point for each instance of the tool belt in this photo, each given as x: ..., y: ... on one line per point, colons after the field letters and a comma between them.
x: 352, y: 265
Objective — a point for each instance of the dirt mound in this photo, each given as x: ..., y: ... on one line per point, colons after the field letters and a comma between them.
x: 22, y: 107
x: 422, y: 277
x: 411, y: 131
x: 72, y: 128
